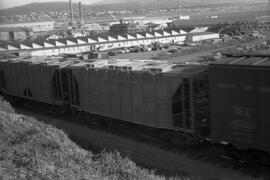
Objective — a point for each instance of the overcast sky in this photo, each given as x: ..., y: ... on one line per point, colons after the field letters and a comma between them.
x: 11, y: 3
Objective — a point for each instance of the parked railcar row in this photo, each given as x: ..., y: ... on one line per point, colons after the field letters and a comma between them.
x: 156, y: 94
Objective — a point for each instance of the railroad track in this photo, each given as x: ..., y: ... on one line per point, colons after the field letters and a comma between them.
x: 215, y: 154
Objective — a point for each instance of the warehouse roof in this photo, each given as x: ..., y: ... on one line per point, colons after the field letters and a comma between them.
x: 244, y: 60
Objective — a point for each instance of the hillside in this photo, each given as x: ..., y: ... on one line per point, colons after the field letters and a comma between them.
x: 106, y: 5
x: 34, y: 7
x: 182, y: 2
x: 30, y: 149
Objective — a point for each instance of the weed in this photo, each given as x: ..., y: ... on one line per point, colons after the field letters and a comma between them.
x: 50, y: 144
x: 22, y: 137
x: 34, y: 150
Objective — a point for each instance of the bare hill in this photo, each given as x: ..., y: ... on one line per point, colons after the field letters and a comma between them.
x: 115, y: 5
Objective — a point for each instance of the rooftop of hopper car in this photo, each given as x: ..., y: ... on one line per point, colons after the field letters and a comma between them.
x: 126, y: 64
x: 60, y: 62
x: 152, y: 66
x: 244, y: 61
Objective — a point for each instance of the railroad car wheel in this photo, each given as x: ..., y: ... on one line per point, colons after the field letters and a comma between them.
x: 164, y: 135
x: 59, y: 109
x: 249, y: 157
x: 178, y: 139
x: 265, y: 159
x: 255, y: 157
x: 75, y: 113
x: 181, y: 139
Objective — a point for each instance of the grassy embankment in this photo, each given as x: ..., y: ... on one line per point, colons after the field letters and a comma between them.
x: 31, y: 149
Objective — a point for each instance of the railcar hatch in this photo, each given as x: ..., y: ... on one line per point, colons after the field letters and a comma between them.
x: 181, y: 106
x: 74, y: 90
x: 27, y: 92
x: 60, y: 83
x: 190, y: 106
x: 2, y: 80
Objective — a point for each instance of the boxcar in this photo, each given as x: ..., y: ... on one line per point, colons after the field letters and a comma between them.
x: 39, y: 79
x: 150, y: 93
x: 240, y: 101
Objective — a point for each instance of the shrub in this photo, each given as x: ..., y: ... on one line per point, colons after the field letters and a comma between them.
x: 30, y: 149
x: 5, y: 106
x: 115, y: 167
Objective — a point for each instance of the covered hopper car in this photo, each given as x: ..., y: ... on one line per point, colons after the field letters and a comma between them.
x: 38, y: 79
x: 240, y: 101
x: 155, y: 94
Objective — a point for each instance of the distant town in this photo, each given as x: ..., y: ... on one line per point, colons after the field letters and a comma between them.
x: 80, y: 30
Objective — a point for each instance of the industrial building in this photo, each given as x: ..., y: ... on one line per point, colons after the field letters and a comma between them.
x: 97, y: 27
x: 10, y: 34
x: 208, y: 21
x: 101, y: 43
x: 201, y: 36
x: 36, y: 26
x: 125, y: 26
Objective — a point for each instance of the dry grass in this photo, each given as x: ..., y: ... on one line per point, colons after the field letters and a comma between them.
x: 30, y: 149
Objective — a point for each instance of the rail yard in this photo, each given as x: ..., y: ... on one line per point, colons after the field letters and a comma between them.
x: 185, y: 95
x: 188, y: 108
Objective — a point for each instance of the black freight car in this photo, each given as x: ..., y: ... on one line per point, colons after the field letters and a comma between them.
x: 40, y: 79
x: 156, y: 94
x: 240, y: 101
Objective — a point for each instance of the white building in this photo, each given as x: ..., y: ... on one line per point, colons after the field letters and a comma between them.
x: 35, y: 26
x: 199, y: 30
x: 201, y: 36
x: 86, y: 44
x: 53, y: 36
x: 184, y: 17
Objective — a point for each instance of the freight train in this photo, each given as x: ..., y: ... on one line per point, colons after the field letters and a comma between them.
x: 227, y: 100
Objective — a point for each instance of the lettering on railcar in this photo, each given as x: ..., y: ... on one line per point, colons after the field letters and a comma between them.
x: 243, y: 111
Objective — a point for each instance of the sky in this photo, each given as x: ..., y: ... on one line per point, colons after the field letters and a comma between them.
x: 12, y: 3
